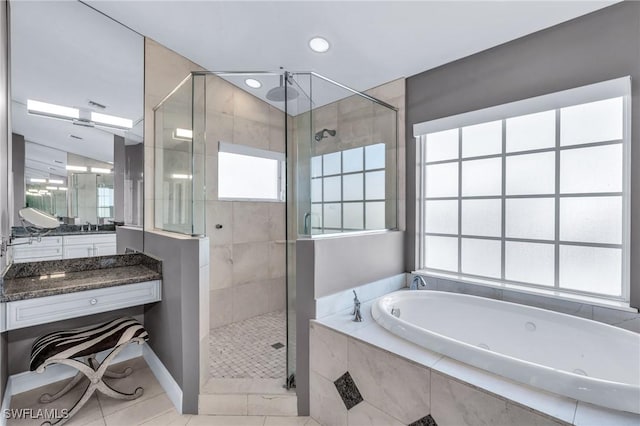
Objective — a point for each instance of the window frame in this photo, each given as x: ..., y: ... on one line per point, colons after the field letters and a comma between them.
x: 250, y: 151
x: 620, y: 87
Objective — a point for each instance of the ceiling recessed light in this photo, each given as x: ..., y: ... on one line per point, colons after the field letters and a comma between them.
x: 319, y: 44
x: 253, y: 83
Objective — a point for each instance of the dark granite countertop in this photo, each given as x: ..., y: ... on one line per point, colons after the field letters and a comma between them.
x: 62, y: 230
x: 38, y: 279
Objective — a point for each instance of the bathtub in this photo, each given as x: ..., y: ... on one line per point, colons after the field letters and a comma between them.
x: 578, y: 358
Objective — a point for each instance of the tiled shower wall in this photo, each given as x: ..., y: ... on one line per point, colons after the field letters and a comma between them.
x: 353, y: 383
x: 248, y: 253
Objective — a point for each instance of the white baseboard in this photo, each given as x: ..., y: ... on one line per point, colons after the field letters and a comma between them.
x: 170, y: 386
x: 28, y: 380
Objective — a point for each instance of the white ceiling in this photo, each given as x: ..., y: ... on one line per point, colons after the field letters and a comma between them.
x: 371, y: 42
x: 65, y: 53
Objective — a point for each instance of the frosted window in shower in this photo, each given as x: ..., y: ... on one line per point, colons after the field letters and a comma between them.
x: 592, y: 169
x: 592, y: 122
x: 531, y: 131
x: 441, y: 216
x: 531, y: 174
x: 529, y: 262
x: 332, y: 188
x: 441, y: 253
x: 353, y: 216
x: 352, y: 187
x: 332, y: 215
x: 316, y: 166
x: 331, y: 164
x: 246, y: 173
x: 482, y: 177
x: 591, y: 219
x: 481, y: 257
x: 374, y: 215
x: 482, y: 139
x: 482, y: 218
x: 374, y: 156
x: 374, y: 182
x: 442, y: 145
x: 352, y: 160
x: 591, y: 269
x: 441, y: 180
x: 530, y: 218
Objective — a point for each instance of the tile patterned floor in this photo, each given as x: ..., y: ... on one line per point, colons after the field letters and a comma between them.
x: 153, y: 408
x: 244, y: 349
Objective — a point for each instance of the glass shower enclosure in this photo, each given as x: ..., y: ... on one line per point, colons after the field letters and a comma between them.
x: 332, y: 156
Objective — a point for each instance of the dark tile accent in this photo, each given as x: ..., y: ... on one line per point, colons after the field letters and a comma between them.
x: 277, y: 345
x: 425, y: 421
x: 348, y: 391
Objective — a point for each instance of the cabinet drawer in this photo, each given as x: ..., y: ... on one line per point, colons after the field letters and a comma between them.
x: 30, y: 254
x: 41, y: 310
x: 89, y: 239
x: 44, y: 242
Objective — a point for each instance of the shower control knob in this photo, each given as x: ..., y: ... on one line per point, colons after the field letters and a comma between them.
x: 218, y: 226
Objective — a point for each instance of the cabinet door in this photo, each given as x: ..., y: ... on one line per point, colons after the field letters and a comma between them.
x: 79, y: 250
x: 105, y: 249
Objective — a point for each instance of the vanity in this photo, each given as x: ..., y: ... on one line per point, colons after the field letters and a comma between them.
x: 43, y: 292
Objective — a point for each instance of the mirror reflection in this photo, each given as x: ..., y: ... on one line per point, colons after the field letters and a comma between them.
x: 77, y: 109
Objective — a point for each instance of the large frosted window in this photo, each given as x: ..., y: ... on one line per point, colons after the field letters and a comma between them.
x: 348, y: 190
x: 536, y: 198
x: 246, y: 173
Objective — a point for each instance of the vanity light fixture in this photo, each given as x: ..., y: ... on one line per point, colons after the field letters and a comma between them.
x: 51, y: 188
x: 180, y: 176
x: 38, y: 180
x: 76, y: 168
x: 111, y: 121
x: 100, y: 170
x: 253, y: 83
x: 57, y: 181
x: 51, y: 110
x: 319, y: 44
x: 62, y: 188
x: 182, y: 134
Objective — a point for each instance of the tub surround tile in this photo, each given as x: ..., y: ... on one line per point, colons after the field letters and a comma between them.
x: 366, y: 414
x: 348, y: 391
x: 326, y: 406
x: 327, y: 352
x: 425, y: 421
x: 398, y: 387
x: 591, y: 415
x: 458, y: 404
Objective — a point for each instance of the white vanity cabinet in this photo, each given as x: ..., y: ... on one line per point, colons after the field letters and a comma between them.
x: 48, y: 248
x: 89, y: 245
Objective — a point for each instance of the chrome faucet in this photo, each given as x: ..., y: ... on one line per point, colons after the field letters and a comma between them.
x: 417, y: 282
x: 356, y: 308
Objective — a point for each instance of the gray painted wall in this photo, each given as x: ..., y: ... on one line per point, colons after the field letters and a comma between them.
x: 173, y: 324
x: 600, y: 46
x: 119, y: 161
x: 17, y: 167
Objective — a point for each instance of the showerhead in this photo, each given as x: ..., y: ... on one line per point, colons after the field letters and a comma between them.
x: 321, y: 134
x: 277, y: 94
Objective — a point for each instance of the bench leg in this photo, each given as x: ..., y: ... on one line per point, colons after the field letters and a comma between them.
x: 46, y: 398
x: 110, y: 374
x: 94, y: 373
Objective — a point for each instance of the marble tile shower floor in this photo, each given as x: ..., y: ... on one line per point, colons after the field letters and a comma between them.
x: 253, y: 348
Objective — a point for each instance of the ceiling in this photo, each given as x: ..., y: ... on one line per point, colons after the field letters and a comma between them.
x: 64, y: 52
x: 371, y: 42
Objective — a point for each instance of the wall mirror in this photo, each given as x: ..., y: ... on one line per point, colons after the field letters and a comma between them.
x: 76, y: 114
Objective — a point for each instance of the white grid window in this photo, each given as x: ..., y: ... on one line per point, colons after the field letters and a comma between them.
x: 533, y: 193
x: 105, y: 202
x: 348, y: 190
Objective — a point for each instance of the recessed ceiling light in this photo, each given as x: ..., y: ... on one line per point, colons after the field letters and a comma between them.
x: 253, y: 83
x: 319, y: 44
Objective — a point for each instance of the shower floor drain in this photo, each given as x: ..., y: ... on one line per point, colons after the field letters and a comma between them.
x: 277, y: 345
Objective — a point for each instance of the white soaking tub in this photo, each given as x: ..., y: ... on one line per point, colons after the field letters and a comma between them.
x: 579, y: 358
